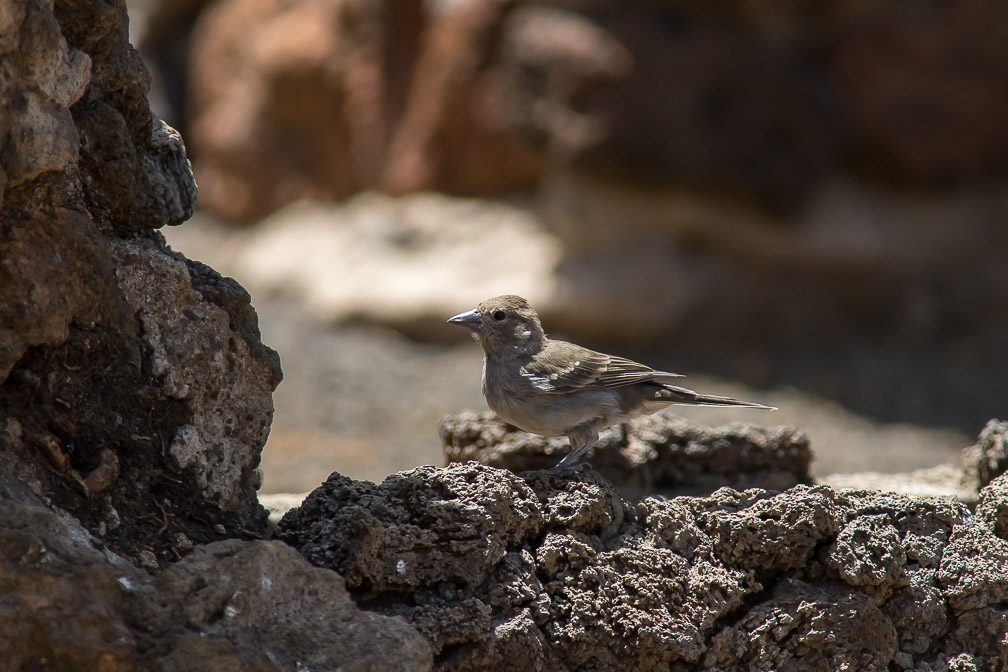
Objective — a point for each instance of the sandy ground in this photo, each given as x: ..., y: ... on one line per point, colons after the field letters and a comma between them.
x: 366, y: 401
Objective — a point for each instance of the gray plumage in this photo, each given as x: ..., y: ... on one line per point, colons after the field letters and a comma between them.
x: 555, y: 388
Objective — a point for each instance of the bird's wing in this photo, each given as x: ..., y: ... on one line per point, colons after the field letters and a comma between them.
x: 562, y: 367
x: 623, y: 371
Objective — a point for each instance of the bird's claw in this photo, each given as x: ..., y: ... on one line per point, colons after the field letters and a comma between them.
x: 571, y: 458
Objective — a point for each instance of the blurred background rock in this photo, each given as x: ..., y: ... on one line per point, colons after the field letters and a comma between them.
x: 801, y: 204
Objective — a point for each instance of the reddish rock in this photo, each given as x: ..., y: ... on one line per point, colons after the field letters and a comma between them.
x: 453, y: 134
x: 267, y: 108
x: 367, y: 94
x: 724, y: 99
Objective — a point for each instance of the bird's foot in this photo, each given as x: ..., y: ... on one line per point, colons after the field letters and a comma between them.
x: 578, y: 449
x: 570, y: 459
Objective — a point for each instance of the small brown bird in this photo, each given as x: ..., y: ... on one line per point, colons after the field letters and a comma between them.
x: 555, y: 388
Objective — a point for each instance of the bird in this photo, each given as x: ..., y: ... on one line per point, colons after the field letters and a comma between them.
x: 555, y: 388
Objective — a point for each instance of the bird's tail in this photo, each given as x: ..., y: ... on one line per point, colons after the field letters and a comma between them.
x: 682, y: 396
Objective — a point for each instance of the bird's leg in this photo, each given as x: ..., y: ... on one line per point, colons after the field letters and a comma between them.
x: 581, y: 442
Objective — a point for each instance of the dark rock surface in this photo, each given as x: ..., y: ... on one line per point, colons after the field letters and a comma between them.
x: 72, y: 604
x: 135, y: 392
x: 988, y: 457
x: 79, y: 128
x: 556, y: 571
x: 649, y: 455
x: 135, y: 396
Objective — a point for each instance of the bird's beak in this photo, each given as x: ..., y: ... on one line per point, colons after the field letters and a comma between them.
x: 470, y: 319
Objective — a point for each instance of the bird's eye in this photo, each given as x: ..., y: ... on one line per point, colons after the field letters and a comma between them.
x: 499, y: 315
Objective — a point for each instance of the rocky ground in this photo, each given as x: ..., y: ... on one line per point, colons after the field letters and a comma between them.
x: 556, y: 571
x: 136, y: 395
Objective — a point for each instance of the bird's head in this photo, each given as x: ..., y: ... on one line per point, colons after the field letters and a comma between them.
x: 503, y: 324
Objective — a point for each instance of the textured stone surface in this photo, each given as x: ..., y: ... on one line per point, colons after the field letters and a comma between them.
x: 72, y: 604
x: 135, y: 396
x: 807, y: 627
x: 992, y: 509
x: 134, y: 389
x: 79, y: 120
x: 575, y: 577
x: 63, y: 597
x: 203, y: 362
x: 153, y: 379
x: 651, y: 454
x: 52, y: 273
x: 275, y: 603
x: 44, y: 77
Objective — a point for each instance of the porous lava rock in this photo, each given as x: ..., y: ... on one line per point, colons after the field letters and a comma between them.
x: 555, y: 570
x: 70, y: 603
x: 135, y: 391
x: 648, y: 455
